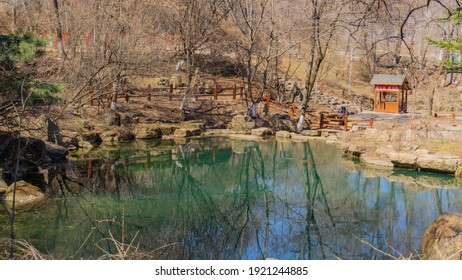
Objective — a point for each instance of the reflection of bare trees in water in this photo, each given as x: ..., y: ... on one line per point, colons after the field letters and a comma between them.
x: 234, y: 200
x: 244, y: 226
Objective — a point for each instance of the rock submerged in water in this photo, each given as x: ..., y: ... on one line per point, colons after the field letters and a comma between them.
x: 443, y: 238
x: 27, y: 195
x: 3, y: 186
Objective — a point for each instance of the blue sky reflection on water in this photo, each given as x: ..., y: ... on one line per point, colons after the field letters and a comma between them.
x: 229, y: 199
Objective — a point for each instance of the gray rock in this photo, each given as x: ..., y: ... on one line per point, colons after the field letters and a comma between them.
x: 166, y: 129
x: 147, y: 131
x: 459, y: 171
x: 372, y: 133
x: 356, y: 150
x: 192, y: 125
x: 385, y: 151
x: 70, y: 138
x: 184, y: 132
x: 421, y: 152
x: 312, y: 133
x: 439, y: 163
x: 299, y: 137
x: 212, y: 132
x: 405, y: 160
x: 283, y: 134
x: 26, y: 195
x: 376, y: 163
x: 443, y: 238
x: 55, y: 152
x: 117, y: 135
x: 263, y: 131
x: 89, y: 140
x: 111, y: 118
x: 3, y: 185
x: 242, y: 124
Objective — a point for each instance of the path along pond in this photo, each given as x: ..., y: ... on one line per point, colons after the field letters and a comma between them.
x: 218, y: 198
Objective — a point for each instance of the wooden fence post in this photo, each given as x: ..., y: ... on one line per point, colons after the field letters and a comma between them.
x: 241, y: 89
x: 345, y: 122
x: 215, y: 92
x: 149, y: 92
x: 371, y: 122
x: 292, y: 111
x: 321, y: 120
x: 234, y: 91
x: 89, y: 169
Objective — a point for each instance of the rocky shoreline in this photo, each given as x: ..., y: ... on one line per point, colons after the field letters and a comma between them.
x: 402, y: 155
x: 379, y: 159
x: 378, y: 156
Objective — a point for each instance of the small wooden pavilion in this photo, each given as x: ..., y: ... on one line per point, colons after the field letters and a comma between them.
x: 390, y: 93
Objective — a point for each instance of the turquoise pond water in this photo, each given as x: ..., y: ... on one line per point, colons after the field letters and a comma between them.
x: 231, y: 199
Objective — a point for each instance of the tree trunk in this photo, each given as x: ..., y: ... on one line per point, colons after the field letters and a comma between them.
x: 432, y: 96
x: 59, y: 30
x: 13, y: 17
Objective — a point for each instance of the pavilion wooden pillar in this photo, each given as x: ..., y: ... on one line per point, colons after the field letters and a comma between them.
x: 375, y: 99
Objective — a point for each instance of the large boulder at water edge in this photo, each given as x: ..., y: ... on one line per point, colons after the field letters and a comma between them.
x: 459, y: 172
x: 89, y: 140
x: 26, y: 195
x: 111, y: 118
x: 242, y: 124
x: 262, y: 131
x: 54, y: 152
x: 117, y: 135
x: 185, y: 132
x: 3, y: 185
x: 439, y: 162
x: 283, y: 134
x: 443, y: 238
x: 147, y: 131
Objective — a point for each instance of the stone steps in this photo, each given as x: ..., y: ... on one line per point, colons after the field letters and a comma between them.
x: 335, y: 103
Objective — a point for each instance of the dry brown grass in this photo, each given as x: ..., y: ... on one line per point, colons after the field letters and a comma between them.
x: 23, y: 250
x: 443, y: 146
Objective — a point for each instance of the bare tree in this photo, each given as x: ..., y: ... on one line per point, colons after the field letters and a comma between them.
x: 323, y: 22
x: 257, y: 32
x: 110, y: 41
x: 195, y: 24
x: 59, y: 29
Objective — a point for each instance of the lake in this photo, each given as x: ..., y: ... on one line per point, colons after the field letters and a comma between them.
x: 219, y: 198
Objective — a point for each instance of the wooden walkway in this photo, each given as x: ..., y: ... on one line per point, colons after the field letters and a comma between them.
x: 217, y: 94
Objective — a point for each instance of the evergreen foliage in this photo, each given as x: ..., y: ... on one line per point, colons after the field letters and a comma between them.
x: 19, y: 53
x: 453, y: 45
